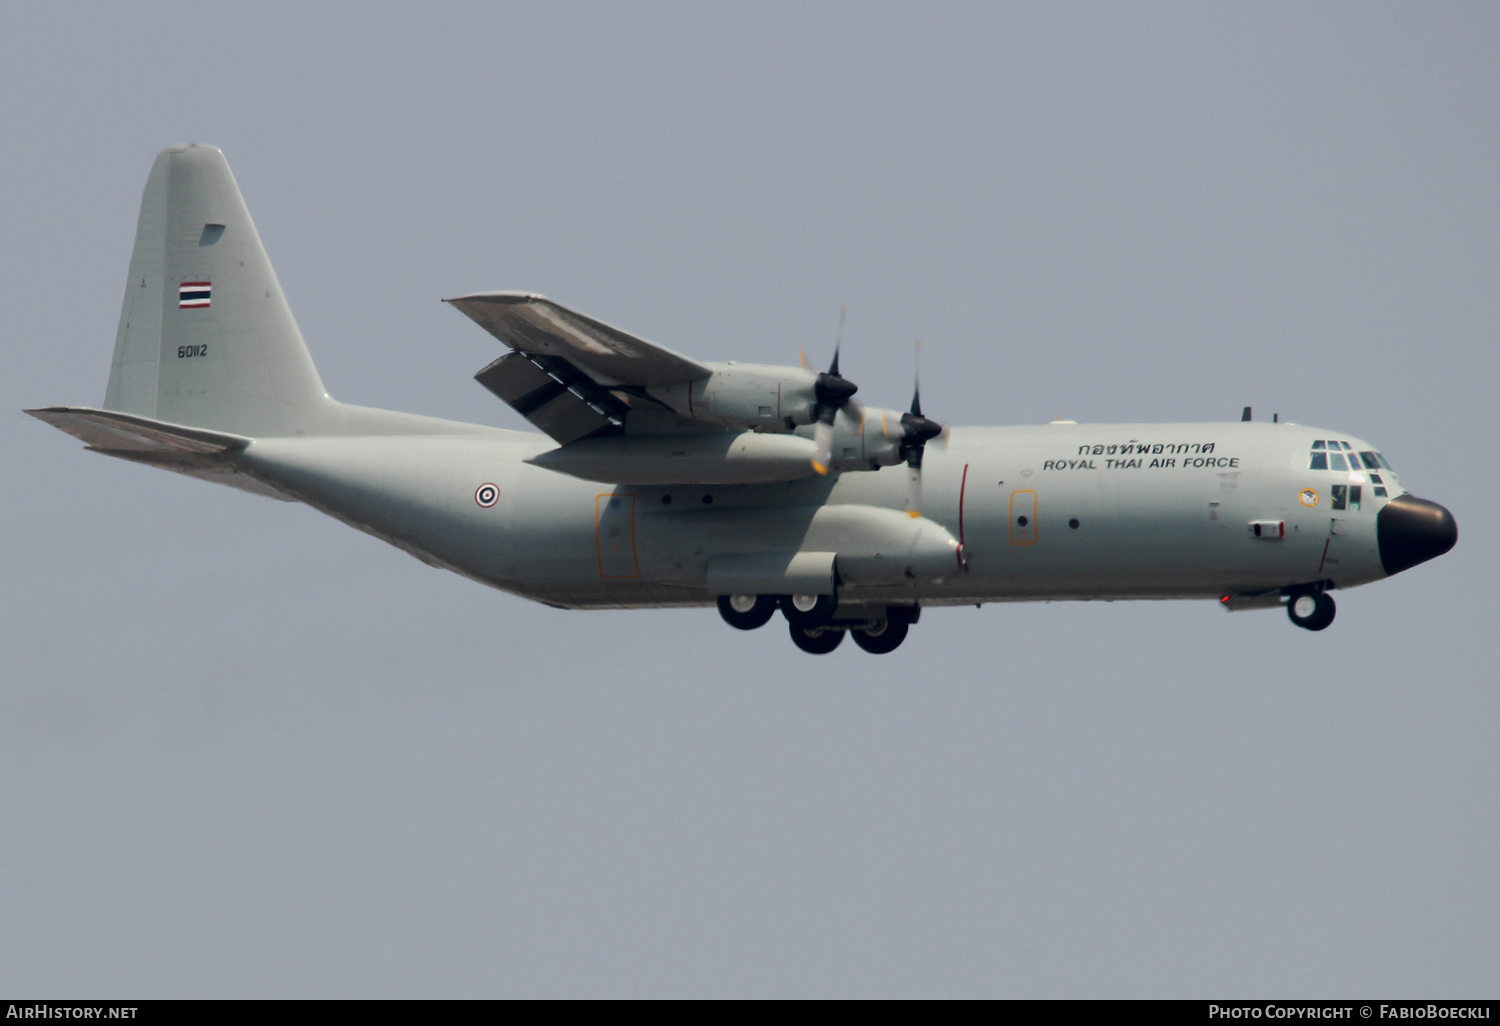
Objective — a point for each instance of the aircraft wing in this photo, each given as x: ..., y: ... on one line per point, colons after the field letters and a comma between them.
x: 536, y: 325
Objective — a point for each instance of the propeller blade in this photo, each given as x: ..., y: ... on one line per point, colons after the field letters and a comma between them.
x: 802, y: 358
x: 914, y: 490
x: 838, y: 340
x: 916, y: 389
x: 823, y: 441
x: 832, y: 393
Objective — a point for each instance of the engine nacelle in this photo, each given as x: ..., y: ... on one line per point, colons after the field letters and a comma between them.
x: 758, y: 396
x: 772, y: 399
x: 869, y: 442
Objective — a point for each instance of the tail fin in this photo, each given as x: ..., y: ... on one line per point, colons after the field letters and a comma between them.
x: 206, y: 337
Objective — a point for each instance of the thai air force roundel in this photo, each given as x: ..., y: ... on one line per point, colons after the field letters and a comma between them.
x: 486, y: 495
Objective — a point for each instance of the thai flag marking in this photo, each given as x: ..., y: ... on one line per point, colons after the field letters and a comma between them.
x: 193, y: 294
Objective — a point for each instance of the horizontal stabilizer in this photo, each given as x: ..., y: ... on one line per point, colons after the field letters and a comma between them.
x: 196, y: 452
x: 534, y: 324
x: 110, y: 431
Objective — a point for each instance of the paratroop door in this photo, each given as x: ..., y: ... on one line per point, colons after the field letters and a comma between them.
x: 614, y: 535
x: 1023, y: 517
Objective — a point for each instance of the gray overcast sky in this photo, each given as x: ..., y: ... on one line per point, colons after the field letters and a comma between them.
x: 247, y: 751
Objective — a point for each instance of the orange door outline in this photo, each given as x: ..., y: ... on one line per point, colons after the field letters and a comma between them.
x: 614, y: 535
x: 1023, y: 504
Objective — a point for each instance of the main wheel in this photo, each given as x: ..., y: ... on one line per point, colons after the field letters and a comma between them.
x: 887, y: 638
x: 817, y: 640
x: 747, y: 612
x: 1311, y: 610
x: 808, y: 611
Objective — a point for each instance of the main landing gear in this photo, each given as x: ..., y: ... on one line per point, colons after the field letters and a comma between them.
x: 747, y: 612
x: 811, y: 623
x: 1311, y: 610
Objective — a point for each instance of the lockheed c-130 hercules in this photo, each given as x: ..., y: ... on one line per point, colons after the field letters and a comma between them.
x: 663, y: 481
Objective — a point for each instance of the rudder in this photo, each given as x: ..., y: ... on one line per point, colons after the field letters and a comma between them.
x: 206, y: 337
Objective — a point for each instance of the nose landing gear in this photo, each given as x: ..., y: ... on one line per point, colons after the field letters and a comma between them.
x: 1311, y: 610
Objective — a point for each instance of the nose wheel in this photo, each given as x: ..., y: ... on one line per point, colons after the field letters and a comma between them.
x: 1311, y: 610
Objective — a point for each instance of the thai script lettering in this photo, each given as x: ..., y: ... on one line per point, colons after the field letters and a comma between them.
x: 1134, y: 447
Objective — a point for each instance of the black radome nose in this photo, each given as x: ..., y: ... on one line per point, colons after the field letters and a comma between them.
x: 1412, y: 531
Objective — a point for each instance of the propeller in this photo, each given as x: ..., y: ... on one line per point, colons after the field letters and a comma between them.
x: 831, y: 393
x: 916, y: 432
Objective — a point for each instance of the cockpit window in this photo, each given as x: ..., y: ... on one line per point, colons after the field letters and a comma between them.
x: 1329, y: 454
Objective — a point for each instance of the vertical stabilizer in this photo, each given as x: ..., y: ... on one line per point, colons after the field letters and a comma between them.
x: 206, y: 337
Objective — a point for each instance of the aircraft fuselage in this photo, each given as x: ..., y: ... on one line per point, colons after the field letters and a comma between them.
x: 1092, y: 511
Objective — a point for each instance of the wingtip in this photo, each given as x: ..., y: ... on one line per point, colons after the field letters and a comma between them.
x: 501, y: 296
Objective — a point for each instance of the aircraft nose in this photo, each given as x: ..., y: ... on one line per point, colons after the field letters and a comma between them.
x: 1411, y: 531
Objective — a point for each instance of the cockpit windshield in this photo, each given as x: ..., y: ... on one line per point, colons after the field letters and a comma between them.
x: 1336, y: 454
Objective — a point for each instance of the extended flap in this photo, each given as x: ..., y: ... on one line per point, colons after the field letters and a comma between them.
x: 554, y: 395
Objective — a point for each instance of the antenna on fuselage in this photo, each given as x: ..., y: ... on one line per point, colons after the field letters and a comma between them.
x: 1246, y: 415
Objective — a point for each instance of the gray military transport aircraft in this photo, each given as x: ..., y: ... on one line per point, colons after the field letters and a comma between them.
x: 661, y: 481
